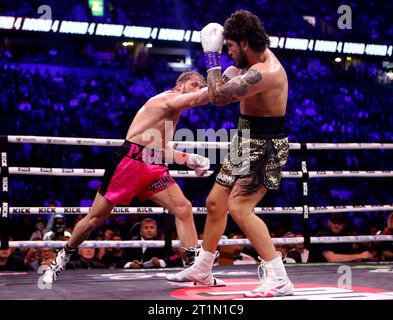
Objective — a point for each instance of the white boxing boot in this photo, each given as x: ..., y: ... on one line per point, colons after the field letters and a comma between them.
x: 57, y: 265
x: 200, y: 272
x: 274, y: 282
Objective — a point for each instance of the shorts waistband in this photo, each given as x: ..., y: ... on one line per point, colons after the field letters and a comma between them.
x: 141, y: 153
x: 263, y: 127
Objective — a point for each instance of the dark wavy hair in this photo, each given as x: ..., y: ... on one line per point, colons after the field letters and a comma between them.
x: 243, y: 25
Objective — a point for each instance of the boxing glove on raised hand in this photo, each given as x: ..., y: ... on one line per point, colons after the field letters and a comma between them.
x: 212, y: 37
x: 198, y: 163
x: 212, y: 40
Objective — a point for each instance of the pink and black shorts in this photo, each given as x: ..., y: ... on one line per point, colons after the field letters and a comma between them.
x: 135, y: 171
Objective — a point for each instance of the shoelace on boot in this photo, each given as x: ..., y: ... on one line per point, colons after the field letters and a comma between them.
x: 262, y: 272
x: 216, y: 258
x: 191, y: 253
x: 265, y: 282
x: 262, y: 267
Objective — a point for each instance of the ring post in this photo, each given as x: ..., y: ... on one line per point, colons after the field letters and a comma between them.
x: 167, y: 233
x: 306, y: 219
x: 4, y: 194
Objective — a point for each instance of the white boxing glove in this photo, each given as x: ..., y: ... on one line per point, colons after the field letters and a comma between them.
x: 198, y: 163
x: 212, y: 39
x: 230, y: 73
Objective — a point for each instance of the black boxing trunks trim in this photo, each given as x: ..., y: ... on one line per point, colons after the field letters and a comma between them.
x: 263, y: 127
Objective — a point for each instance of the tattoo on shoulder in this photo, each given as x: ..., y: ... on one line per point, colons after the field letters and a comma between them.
x: 253, y: 76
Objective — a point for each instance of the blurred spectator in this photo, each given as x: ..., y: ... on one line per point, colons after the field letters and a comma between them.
x: 32, y: 254
x: 9, y: 261
x: 385, y: 248
x: 58, y: 231
x: 288, y: 252
x: 108, y: 234
x: 86, y: 260
x: 337, y: 252
x: 115, y: 257
x: 45, y: 257
x: 301, y: 249
x: 234, y: 255
x: 147, y: 257
x: 41, y: 229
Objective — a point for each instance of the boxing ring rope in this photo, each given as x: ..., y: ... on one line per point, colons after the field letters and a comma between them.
x: 197, y: 210
x: 141, y: 210
x: 185, y: 144
x: 304, y: 174
x: 86, y: 172
x: 70, y: 172
x: 177, y: 244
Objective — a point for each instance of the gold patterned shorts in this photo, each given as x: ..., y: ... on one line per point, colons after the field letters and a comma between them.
x: 254, y: 163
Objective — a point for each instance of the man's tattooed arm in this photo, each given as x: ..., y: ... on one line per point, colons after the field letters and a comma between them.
x: 221, y: 93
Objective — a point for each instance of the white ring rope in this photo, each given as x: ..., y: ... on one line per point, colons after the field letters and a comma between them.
x: 72, y: 172
x: 214, y: 145
x: 197, y: 210
x: 86, y: 210
x: 85, y: 172
x: 200, y: 210
x: 188, y: 144
x: 119, y: 142
x: 140, y: 210
x: 352, y: 174
x: 349, y: 239
x: 292, y: 146
x: 359, y: 208
x: 348, y: 146
x: 177, y: 244
x: 65, y: 141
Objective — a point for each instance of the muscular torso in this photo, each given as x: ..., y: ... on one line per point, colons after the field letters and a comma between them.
x: 272, y: 102
x: 154, y: 115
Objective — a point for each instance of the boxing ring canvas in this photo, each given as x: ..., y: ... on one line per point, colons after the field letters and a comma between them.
x: 366, y: 281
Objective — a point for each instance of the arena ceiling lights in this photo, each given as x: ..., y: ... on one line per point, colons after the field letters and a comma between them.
x: 180, y: 35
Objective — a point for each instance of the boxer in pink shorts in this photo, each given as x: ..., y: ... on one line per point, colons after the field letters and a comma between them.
x: 136, y: 171
x: 139, y: 168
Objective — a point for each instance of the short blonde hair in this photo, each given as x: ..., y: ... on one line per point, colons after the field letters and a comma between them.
x: 188, y: 75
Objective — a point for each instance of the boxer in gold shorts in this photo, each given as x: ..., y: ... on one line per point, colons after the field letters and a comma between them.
x: 266, y: 145
x: 259, y: 82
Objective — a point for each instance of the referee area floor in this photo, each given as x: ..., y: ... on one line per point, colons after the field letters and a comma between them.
x: 365, y: 281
